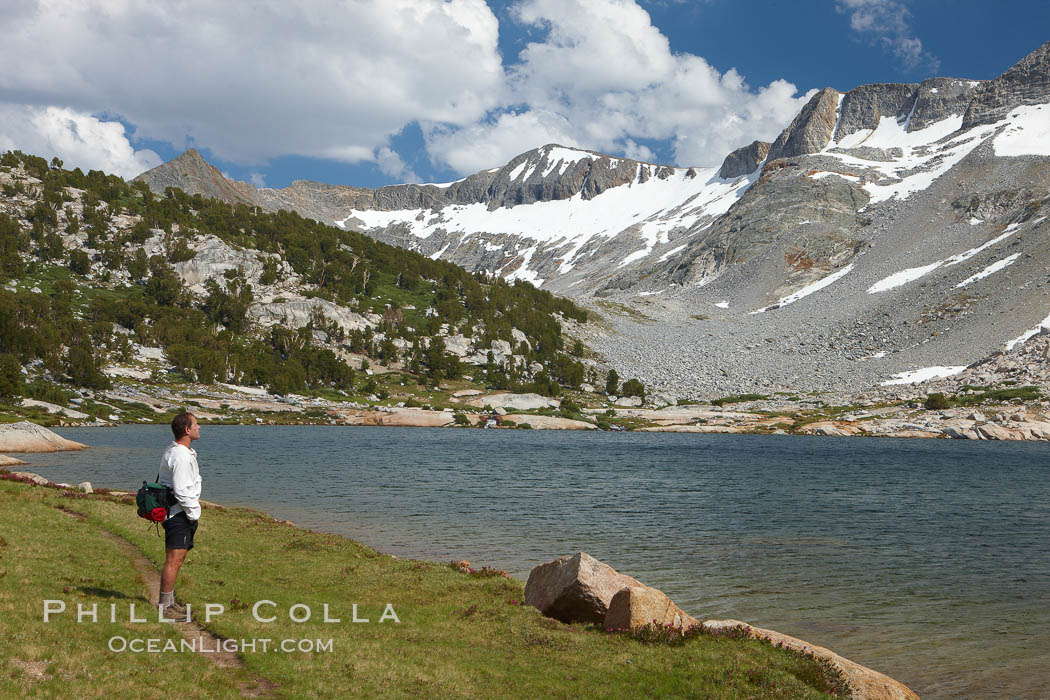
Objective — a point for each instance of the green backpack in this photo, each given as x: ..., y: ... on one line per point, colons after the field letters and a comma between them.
x: 153, y: 501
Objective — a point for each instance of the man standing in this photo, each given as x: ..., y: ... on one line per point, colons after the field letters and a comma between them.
x: 178, y: 469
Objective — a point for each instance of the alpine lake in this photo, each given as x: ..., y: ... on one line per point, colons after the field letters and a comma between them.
x: 927, y: 560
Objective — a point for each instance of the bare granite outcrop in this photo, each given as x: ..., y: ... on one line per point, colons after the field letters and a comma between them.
x: 29, y: 437
x: 516, y: 402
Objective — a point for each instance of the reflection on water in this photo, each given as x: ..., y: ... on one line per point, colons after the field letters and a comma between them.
x: 927, y: 560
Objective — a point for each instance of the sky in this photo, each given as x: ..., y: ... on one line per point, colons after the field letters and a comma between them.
x: 376, y: 92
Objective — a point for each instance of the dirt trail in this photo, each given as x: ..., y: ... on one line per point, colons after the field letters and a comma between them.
x: 192, y: 631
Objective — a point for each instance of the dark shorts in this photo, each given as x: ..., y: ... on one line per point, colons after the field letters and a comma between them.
x: 179, y: 531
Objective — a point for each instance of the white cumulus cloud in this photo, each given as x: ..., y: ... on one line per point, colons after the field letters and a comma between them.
x: 603, y: 77
x: 255, y: 81
x: 79, y: 140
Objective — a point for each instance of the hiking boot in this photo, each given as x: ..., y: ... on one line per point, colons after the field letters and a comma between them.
x: 176, y: 611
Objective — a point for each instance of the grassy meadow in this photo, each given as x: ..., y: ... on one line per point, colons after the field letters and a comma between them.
x: 458, y: 634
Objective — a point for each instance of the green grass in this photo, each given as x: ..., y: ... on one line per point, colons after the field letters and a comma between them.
x: 459, y: 635
x: 388, y: 292
x: 739, y: 398
x: 623, y: 310
x: 46, y: 553
x: 986, y: 395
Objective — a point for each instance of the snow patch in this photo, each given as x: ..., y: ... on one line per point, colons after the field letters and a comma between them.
x: 722, y: 304
x: 518, y: 169
x: 824, y: 174
x: 636, y: 255
x: 917, y: 376
x: 990, y: 270
x: 808, y: 289
x: 1028, y: 135
x: 523, y: 272
x: 838, y: 114
x: 1044, y: 325
x: 669, y: 253
x: 893, y: 133
x: 567, y: 156
x: 962, y: 257
x: 899, y: 279
x: 551, y: 165
x: 854, y: 139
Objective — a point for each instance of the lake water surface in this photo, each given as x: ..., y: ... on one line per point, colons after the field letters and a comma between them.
x: 928, y: 560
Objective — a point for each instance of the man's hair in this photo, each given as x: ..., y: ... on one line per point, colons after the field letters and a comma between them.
x: 180, y: 424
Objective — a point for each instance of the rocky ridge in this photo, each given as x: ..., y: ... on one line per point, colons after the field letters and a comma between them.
x: 1025, y: 83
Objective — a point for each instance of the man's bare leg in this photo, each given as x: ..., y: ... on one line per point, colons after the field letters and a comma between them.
x: 172, y: 562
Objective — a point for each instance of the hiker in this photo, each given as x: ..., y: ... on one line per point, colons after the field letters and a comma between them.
x: 178, y: 469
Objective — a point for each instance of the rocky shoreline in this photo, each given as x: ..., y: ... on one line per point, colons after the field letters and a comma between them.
x: 905, y: 415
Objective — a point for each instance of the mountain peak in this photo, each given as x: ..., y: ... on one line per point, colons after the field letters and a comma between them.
x: 189, y: 155
x: 190, y: 172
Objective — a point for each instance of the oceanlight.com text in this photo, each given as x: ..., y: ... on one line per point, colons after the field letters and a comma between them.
x: 154, y: 645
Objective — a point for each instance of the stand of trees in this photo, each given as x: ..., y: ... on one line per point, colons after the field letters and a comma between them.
x: 211, y: 338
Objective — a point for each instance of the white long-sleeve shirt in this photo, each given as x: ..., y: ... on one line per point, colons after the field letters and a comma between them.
x: 178, y: 469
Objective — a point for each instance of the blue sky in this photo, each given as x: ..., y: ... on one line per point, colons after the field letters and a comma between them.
x: 374, y: 92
